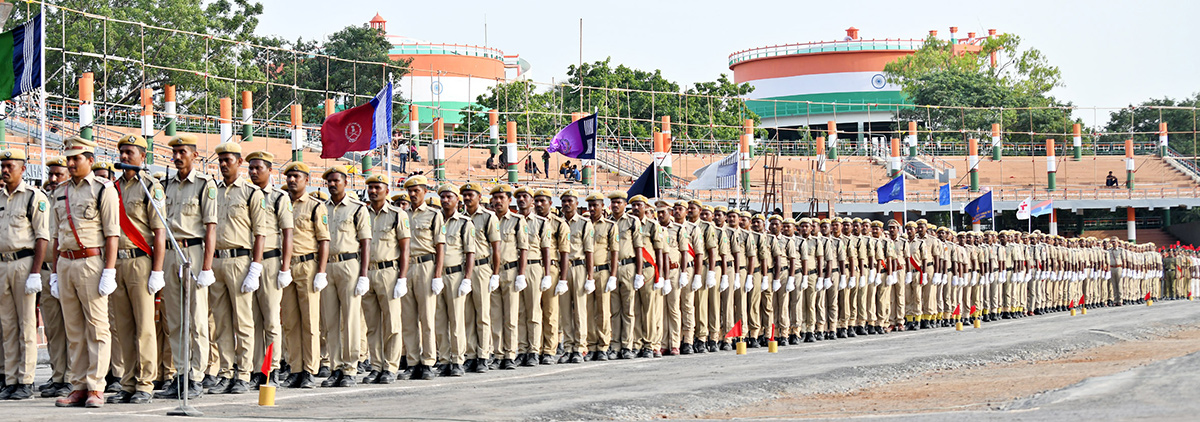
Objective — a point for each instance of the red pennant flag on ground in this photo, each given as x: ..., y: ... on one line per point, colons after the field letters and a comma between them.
x: 736, y: 331
x: 972, y: 309
x: 266, y: 367
x: 772, y: 332
x: 1147, y: 295
x: 1081, y: 299
x: 957, y: 308
x: 1071, y: 305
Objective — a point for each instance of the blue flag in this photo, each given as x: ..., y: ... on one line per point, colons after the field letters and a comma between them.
x: 1042, y: 208
x: 981, y: 207
x: 944, y: 194
x: 892, y: 191
x: 644, y: 185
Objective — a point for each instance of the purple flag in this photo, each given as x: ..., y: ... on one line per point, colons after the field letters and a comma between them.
x: 577, y: 140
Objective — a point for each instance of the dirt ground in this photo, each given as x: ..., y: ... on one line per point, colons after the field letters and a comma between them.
x: 979, y: 388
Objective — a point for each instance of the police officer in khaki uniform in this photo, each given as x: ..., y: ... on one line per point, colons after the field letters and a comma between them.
x: 349, y: 259
x: 427, y: 248
x: 139, y: 275
x: 505, y: 297
x: 237, y: 264
x: 529, y: 320
x: 477, y: 312
x: 390, y: 233
x: 559, y: 245
x: 459, y: 258
x: 676, y: 255
x: 576, y: 283
x: 192, y: 217
x: 24, y: 233
x: 300, y: 305
x: 599, y: 307
x: 276, y: 272
x: 87, y: 222
x: 626, y: 269
x: 647, y: 298
x: 50, y: 307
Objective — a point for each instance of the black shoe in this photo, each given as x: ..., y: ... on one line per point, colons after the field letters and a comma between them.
x: 599, y: 356
x: 114, y: 384
x: 50, y: 384
x: 347, y: 381
x: 645, y: 354
x: 257, y: 379
x: 626, y: 354
x: 195, y: 390
x: 237, y: 387
x: 860, y: 330
x: 793, y: 339
x: 841, y: 333
x: 871, y: 330
x: 548, y: 360
x: 829, y: 335
x: 531, y: 359
x: 752, y: 343
x: 507, y: 364
x: 219, y: 387
x: 493, y: 364
x: 808, y: 338
x: 7, y: 391
x: 685, y: 349
x: 324, y: 372
x: 364, y: 366
x: 454, y: 370
x: 416, y: 372
x: 575, y: 357
x: 426, y: 373
x: 290, y: 381
x: 724, y: 346
x: 208, y: 381
x: 612, y: 354
x: 120, y: 397
x: 332, y: 379
x: 698, y: 347
x: 712, y: 346
x: 403, y: 363
x: 371, y: 377
x: 924, y: 324
x: 170, y: 391
x: 762, y: 341
x: 21, y: 392
x: 140, y: 397
x: 306, y: 380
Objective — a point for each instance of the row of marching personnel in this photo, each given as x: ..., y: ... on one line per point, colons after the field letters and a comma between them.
x: 285, y: 287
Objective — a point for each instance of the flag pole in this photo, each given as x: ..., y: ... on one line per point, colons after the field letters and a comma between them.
x: 42, y: 93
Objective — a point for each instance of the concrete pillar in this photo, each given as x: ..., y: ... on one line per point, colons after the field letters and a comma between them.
x: 820, y: 143
x: 298, y: 132
x: 894, y: 161
x: 1131, y: 224
x: 439, y: 149
x: 1166, y: 216
x: 665, y: 165
x: 861, y: 145
x: 1077, y: 140
x: 997, y: 146
x: 510, y: 151
x: 225, y: 119
x: 973, y: 163
x: 832, y: 146
x: 414, y: 125
x: 148, y: 123
x: 493, y: 132
x: 169, y: 110
x: 1051, y: 165
x: 1162, y: 139
x: 87, y: 109
x: 744, y: 157
x: 911, y: 140
x: 1129, y: 167
x: 1053, y: 221
x: 247, y: 116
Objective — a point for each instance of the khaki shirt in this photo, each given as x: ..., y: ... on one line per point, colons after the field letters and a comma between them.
x: 277, y: 219
x: 559, y: 235
x: 740, y: 237
x: 389, y: 226
x: 241, y: 214
x: 761, y: 243
x: 487, y: 231
x: 460, y: 239
x: 709, y: 239
x: 427, y: 229
x: 677, y: 244
x: 24, y: 218
x: 94, y: 211
x: 514, y: 236
x: 725, y: 245
x: 310, y: 220
x: 581, y: 237
x: 538, y: 236
x: 139, y: 208
x: 630, y: 237
x: 606, y: 239
x: 191, y: 204
x: 696, y: 240
x: 348, y: 224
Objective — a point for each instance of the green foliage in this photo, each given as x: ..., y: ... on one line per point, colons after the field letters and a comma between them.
x: 935, y: 76
x: 1145, y: 118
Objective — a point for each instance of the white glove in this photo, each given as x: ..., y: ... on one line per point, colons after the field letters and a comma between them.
x: 360, y: 287
x: 749, y: 286
x: 737, y: 282
x: 54, y: 285
x: 659, y: 285
x: 937, y: 278
x: 464, y: 287
x: 284, y: 279
x: 803, y: 283
x: 724, y: 283
x: 908, y: 278
x: 878, y: 279
x: 776, y: 284
x: 611, y: 284
x: 828, y: 283
x: 545, y: 283
x: 851, y: 282
x: 560, y: 288
x: 589, y: 286
x: 494, y: 282
x: 696, y: 283
x: 108, y: 281
x: 33, y: 283
x: 791, y: 284
x: 319, y: 282
x: 250, y: 283
x: 638, y: 281
x: 924, y: 279
x: 435, y: 286
x: 843, y: 282
x: 519, y: 284
x: 682, y: 280
x: 766, y: 283
x: 401, y: 288
x: 711, y: 280
x: 874, y: 276
x: 155, y: 283
x: 206, y: 278
x: 891, y: 279
x: 666, y: 288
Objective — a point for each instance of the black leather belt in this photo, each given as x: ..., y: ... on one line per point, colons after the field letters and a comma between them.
x: 187, y: 243
x: 784, y: 269
x: 602, y: 267
x: 647, y: 265
x: 273, y: 253
x: 810, y: 272
x: 343, y: 257
x: 303, y: 258
x: 741, y: 268
x: 231, y: 253
x: 483, y: 261
x: 455, y: 269
x: 121, y: 254
x: 13, y: 256
x: 533, y: 262
x: 626, y: 261
x: 420, y: 259
x: 509, y: 266
x: 383, y: 264
x: 577, y: 262
x: 718, y: 262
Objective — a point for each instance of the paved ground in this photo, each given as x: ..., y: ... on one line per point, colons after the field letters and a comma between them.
x: 695, y: 386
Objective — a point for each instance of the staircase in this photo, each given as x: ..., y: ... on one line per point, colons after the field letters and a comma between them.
x: 1160, y: 237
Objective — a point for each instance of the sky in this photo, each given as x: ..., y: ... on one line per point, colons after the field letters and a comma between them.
x: 1111, y: 53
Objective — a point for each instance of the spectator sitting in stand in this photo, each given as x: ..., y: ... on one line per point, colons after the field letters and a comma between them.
x: 1110, y: 181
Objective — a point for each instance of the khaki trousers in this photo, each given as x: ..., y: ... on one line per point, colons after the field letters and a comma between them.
x: 478, y: 314
x: 132, y: 306
x: 529, y: 314
x: 573, y: 311
x: 672, y: 316
x: 299, y: 312
x: 233, y: 316
x: 687, y: 308
x: 85, y: 315
x: 700, y: 309
x: 56, y: 333
x: 599, y: 328
x: 644, y: 312
x: 504, y: 315
x: 448, y: 321
x: 754, y: 323
x: 899, y: 297
x: 381, y: 314
x: 714, y: 308
x: 266, y: 313
x: 197, y: 338
x: 622, y: 308
x: 783, y: 317
x: 832, y: 304
x: 809, y: 303
x: 18, y: 322
x: 551, y: 332
x: 417, y: 309
x: 340, y: 314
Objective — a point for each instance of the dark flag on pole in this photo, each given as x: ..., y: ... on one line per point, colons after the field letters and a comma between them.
x: 645, y: 184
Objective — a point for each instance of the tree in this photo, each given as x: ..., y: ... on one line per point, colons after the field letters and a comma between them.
x: 937, y: 75
x: 1143, y: 119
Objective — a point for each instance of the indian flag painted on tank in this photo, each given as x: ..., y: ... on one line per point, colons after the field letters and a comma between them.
x: 21, y: 59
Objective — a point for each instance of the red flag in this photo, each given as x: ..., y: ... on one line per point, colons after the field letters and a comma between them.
x: 361, y: 128
x: 772, y: 332
x: 972, y: 309
x: 1081, y: 299
x: 649, y: 257
x: 266, y: 368
x: 1071, y: 305
x: 736, y: 331
x: 1147, y: 295
x: 957, y: 308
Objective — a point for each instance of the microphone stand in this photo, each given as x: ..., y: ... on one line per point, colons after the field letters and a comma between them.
x: 186, y: 279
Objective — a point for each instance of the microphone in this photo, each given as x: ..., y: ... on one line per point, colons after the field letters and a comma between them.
x: 123, y: 166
